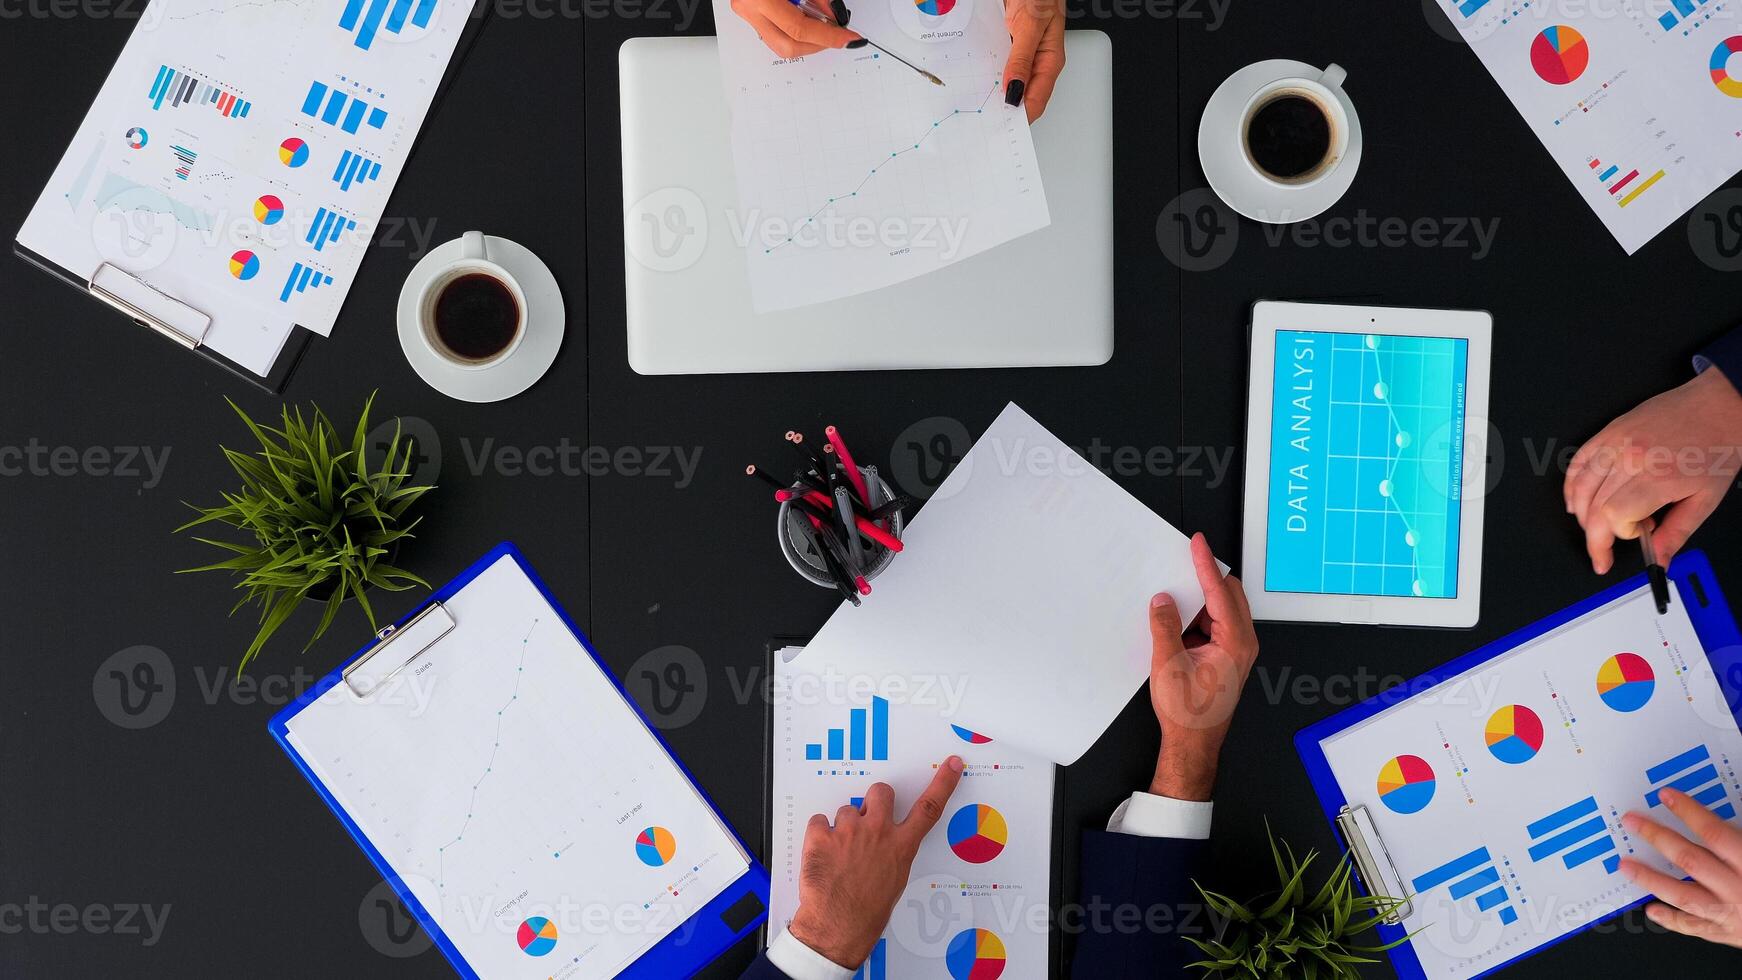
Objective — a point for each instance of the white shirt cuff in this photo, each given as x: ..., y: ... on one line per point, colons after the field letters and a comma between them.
x: 1149, y: 815
x: 800, y: 962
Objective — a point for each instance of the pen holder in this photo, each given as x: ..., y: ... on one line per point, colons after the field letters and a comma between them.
x: 795, y: 544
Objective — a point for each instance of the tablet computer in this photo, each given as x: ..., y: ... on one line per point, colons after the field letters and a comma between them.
x: 1366, y: 446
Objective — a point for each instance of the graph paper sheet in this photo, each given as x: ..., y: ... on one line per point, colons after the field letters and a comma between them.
x: 240, y: 156
x: 1499, y: 792
x: 518, y: 796
x: 977, y: 901
x: 1639, y: 103
x: 854, y: 172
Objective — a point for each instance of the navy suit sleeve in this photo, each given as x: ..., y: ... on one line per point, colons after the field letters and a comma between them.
x: 763, y: 970
x: 1725, y: 354
x: 1138, y: 904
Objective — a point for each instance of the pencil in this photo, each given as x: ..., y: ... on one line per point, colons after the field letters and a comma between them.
x: 853, y: 474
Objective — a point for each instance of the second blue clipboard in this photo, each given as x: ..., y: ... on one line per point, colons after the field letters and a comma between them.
x: 1484, y: 882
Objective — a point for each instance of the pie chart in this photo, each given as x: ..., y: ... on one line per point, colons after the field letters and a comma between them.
x: 1625, y: 682
x: 244, y: 265
x: 137, y: 138
x: 977, y: 833
x: 937, y: 8
x: 269, y: 209
x: 293, y: 152
x: 1514, y: 734
x: 1406, y: 784
x: 975, y: 954
x: 655, y: 846
x: 1559, y: 54
x: 537, y: 936
x: 1727, y: 83
x: 971, y: 737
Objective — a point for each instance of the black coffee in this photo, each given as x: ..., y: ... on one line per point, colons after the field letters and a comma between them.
x: 476, y: 316
x: 1289, y: 137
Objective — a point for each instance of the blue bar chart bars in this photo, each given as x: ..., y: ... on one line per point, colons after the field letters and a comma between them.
x: 1474, y: 874
x: 1578, y: 834
x: 329, y: 106
x: 184, y: 159
x: 303, y: 278
x: 177, y: 88
x: 366, y: 17
x: 1682, y: 9
x: 354, y: 168
x: 1468, y: 8
x: 327, y: 227
x: 876, y: 965
x: 1695, y: 773
x: 866, y: 737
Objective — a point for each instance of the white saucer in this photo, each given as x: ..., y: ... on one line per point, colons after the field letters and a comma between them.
x: 514, y: 373
x: 1224, y: 162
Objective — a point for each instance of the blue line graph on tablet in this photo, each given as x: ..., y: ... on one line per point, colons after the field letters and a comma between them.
x: 1366, y: 464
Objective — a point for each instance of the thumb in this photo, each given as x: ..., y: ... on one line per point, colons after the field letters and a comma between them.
x: 929, y: 808
x: 1164, y: 630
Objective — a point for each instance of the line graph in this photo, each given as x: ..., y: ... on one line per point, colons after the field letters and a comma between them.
x: 977, y: 110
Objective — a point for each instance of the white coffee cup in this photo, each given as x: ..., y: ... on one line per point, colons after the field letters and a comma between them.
x: 1324, y: 91
x: 474, y: 259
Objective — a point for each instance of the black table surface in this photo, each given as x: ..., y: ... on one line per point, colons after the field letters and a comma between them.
x: 665, y: 555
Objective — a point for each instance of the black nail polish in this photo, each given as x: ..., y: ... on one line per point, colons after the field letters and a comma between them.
x: 856, y: 45
x: 1013, y: 92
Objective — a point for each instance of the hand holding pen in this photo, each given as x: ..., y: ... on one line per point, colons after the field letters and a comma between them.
x: 789, y: 31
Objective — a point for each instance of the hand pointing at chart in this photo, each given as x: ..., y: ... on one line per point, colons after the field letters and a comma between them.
x: 788, y: 30
x: 1709, y: 906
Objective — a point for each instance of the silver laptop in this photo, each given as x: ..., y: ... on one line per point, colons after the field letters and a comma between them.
x: 1045, y: 299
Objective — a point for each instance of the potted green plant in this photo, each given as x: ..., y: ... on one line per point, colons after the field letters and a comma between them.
x: 1285, y: 935
x: 324, y: 519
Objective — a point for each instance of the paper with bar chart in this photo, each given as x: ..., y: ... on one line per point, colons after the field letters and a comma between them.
x: 215, y: 107
x: 854, y: 172
x: 518, y: 795
x: 1499, y: 792
x: 1640, y: 105
x: 982, y: 875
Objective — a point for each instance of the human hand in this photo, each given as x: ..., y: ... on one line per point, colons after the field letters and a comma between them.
x: 1195, y: 680
x: 1709, y: 906
x: 853, y: 873
x: 1037, y: 52
x: 1678, y: 449
x: 787, y: 31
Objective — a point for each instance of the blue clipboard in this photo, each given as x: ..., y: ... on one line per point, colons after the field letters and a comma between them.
x: 1713, y: 624
x: 735, y: 913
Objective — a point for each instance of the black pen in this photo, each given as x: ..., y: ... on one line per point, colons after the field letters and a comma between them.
x: 1654, y: 571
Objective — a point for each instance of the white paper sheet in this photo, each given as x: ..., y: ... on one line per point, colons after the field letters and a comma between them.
x: 173, y: 187
x: 1640, y: 103
x: 507, y: 781
x: 982, y: 882
x: 854, y: 172
x: 1590, y: 755
x: 1025, y: 581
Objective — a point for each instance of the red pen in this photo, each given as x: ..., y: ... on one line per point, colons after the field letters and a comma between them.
x: 865, y: 527
x: 853, y: 474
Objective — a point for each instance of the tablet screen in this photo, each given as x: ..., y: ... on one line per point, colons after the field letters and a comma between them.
x: 1366, y: 464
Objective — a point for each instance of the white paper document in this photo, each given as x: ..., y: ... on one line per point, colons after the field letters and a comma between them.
x: 240, y: 156
x: 1640, y: 103
x: 1499, y: 793
x: 1026, y: 580
x: 977, y: 903
x: 522, y: 800
x: 854, y: 172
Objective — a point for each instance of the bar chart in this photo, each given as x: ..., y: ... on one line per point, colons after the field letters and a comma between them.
x: 355, y: 169
x: 177, y: 88
x: 1578, y: 834
x: 369, y: 17
x: 184, y: 161
x: 1695, y: 773
x: 327, y: 227
x: 1629, y: 182
x: 303, y: 278
x: 1474, y: 874
x: 335, y: 108
x: 1679, y: 10
x: 866, y: 737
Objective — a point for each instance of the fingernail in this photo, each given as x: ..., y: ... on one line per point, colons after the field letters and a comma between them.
x: 1630, y: 821
x: 1601, y: 567
x: 1670, y: 795
x: 1161, y: 599
x: 955, y: 763
x: 1013, y: 92
x: 856, y: 45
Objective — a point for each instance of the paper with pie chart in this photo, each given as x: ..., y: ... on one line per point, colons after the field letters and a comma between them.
x: 982, y: 871
x: 854, y: 172
x: 1499, y: 791
x: 1640, y: 105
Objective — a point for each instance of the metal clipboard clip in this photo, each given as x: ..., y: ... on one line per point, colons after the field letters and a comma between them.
x: 1373, y: 860
x: 149, y: 306
x: 366, y: 674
